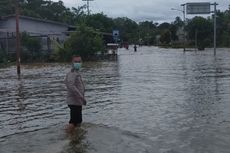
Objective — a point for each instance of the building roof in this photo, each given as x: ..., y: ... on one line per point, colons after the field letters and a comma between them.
x: 37, y: 19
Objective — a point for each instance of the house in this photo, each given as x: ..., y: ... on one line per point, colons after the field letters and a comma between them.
x: 46, y: 30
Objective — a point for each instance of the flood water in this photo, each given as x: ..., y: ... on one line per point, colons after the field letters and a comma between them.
x: 150, y: 101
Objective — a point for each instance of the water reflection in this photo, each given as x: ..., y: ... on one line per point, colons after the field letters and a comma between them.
x: 203, y: 95
x: 77, y: 142
x: 202, y: 88
x: 20, y: 96
x: 19, y: 104
x: 175, y: 101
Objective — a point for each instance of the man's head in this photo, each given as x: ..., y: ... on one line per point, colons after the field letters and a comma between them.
x: 76, y: 60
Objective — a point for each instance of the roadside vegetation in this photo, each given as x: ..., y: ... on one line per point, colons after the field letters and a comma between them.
x: 87, y: 41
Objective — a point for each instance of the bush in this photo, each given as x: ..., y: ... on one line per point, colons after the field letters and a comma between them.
x: 31, y: 48
x: 85, y: 42
x: 3, y: 56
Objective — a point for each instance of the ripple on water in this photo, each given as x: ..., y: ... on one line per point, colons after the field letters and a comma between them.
x: 177, y: 101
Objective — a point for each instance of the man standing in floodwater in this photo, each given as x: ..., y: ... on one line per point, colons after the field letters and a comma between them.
x: 75, y: 93
x: 135, y: 48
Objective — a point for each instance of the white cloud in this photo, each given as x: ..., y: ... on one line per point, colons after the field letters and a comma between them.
x: 140, y: 10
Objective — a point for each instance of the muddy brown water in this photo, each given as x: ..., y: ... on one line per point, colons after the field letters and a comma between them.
x: 153, y: 100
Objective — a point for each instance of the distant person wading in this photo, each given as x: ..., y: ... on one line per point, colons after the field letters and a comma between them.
x: 75, y: 94
x: 135, y: 48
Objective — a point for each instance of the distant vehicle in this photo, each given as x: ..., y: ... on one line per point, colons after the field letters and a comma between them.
x: 126, y: 45
x: 112, y: 48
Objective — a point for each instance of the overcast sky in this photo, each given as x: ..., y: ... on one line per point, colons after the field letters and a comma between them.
x: 141, y: 10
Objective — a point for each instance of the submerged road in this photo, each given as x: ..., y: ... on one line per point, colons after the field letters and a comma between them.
x: 153, y: 100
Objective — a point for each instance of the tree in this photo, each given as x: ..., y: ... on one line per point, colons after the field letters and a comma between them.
x: 173, y: 30
x: 7, y: 7
x: 32, y: 47
x: 85, y: 42
x: 128, y: 29
x: 163, y: 26
x: 178, y: 22
x: 79, y: 14
x: 3, y: 56
x: 223, y: 28
x: 147, y: 32
x: 204, y: 29
x: 100, y: 22
x: 167, y: 33
x: 165, y: 37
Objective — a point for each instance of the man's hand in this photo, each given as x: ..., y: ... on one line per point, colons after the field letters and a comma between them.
x: 84, y: 101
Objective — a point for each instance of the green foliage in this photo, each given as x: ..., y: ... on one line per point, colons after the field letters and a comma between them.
x: 204, y: 30
x: 164, y: 26
x: 147, y: 33
x: 173, y: 30
x: 178, y: 22
x: 168, y: 32
x: 100, y: 22
x: 86, y: 42
x: 31, y: 47
x: 128, y: 29
x: 31, y: 43
x: 223, y: 28
x: 7, y: 7
x: 79, y: 15
x: 48, y: 10
x: 3, y: 56
x: 45, y: 9
x: 59, y: 53
x: 226, y: 38
x: 165, y: 37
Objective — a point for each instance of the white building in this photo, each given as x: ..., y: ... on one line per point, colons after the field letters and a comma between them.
x: 45, y: 29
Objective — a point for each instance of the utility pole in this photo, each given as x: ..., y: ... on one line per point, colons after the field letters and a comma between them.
x: 88, y: 5
x: 215, y: 4
x: 183, y: 11
x: 196, y: 33
x: 184, y: 25
x: 17, y: 38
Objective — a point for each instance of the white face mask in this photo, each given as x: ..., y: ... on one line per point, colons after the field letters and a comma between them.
x: 77, y: 66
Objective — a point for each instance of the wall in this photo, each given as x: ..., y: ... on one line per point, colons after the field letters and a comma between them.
x: 34, y: 27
